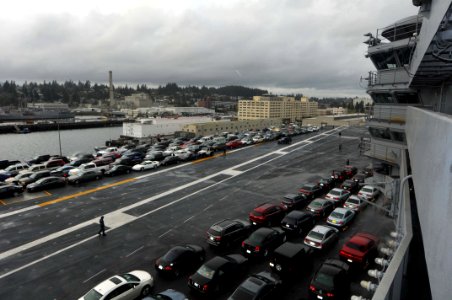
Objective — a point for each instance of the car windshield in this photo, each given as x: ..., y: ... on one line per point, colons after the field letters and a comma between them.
x: 335, y: 193
x: 206, y: 272
x: 92, y: 295
x: 315, y: 204
x: 243, y: 294
x: 315, y: 235
x: 257, y: 237
x: 129, y: 277
x: 173, y: 254
x: 308, y: 187
x: 337, y: 215
x: 324, y: 280
x: 366, y: 190
x: 214, y: 232
x: 353, y: 201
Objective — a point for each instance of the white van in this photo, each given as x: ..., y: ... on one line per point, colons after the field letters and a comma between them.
x: 101, y: 165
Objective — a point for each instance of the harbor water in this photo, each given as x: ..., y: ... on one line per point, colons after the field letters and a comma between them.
x: 26, y: 146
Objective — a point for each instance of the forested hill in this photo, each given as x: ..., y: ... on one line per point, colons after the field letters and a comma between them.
x: 76, y: 93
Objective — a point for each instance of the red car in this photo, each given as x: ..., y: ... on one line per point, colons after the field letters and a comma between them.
x: 267, y: 214
x: 360, y: 249
x: 350, y: 171
x: 234, y: 144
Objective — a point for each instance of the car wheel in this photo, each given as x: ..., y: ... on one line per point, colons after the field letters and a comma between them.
x: 146, y: 290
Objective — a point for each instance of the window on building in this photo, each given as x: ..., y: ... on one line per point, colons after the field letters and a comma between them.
x: 382, y: 98
x: 406, y: 97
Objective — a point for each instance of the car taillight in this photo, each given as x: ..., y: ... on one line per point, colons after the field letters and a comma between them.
x: 205, y: 287
x: 329, y: 294
x: 243, y: 244
x: 168, y: 268
x: 340, y: 222
x: 336, y: 198
x: 257, y: 248
x: 312, y: 288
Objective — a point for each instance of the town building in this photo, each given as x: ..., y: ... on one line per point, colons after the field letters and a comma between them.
x: 48, y: 105
x: 138, y: 100
x: 218, y: 127
x: 268, y: 106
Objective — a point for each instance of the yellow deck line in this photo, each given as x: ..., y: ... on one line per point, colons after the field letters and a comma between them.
x: 207, y: 158
x: 47, y: 193
x: 85, y: 192
x: 2, y: 202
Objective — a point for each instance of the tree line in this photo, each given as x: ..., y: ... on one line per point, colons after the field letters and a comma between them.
x: 72, y: 93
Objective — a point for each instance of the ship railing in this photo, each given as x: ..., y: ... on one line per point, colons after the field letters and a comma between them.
x: 388, y: 77
x: 394, y: 114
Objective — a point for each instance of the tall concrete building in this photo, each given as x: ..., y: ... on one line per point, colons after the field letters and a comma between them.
x: 139, y: 100
x: 265, y: 107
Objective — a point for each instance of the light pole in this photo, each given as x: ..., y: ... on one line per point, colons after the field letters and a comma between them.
x: 59, y: 137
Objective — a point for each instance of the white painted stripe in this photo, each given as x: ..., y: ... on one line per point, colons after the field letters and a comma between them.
x: 119, y: 218
x: 135, y: 251
x: 100, y: 272
x: 18, y: 211
x: 189, y: 219
x: 164, y: 233
x: 208, y: 207
x: 232, y: 172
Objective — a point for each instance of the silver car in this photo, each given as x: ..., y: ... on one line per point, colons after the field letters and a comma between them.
x: 355, y: 203
x: 340, y: 217
x: 369, y: 192
x: 338, y: 196
x: 321, y: 237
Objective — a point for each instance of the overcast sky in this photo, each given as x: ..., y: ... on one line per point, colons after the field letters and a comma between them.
x: 286, y: 46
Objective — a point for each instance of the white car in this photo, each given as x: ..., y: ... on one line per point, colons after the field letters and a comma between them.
x: 370, y: 193
x: 338, y: 195
x: 146, y: 165
x: 127, y: 286
x: 321, y: 237
x: 340, y: 217
x: 355, y: 203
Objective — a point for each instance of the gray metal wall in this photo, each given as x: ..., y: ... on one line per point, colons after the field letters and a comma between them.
x: 429, y: 137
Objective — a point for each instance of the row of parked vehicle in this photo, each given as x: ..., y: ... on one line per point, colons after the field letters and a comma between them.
x: 265, y: 234
x: 53, y: 171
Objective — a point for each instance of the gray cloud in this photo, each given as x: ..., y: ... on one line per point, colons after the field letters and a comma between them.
x: 283, y: 46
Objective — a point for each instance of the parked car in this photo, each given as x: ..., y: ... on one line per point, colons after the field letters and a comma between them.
x: 127, y: 286
x: 84, y: 176
x: 290, y: 259
x: 338, y: 175
x: 13, y: 170
x: 331, y: 281
x: 370, y: 193
x: 180, y: 259
x: 205, y: 152
x: 118, y: 170
x: 298, y: 222
x: 218, y: 273
x: 168, y: 294
x: 54, y: 163
x: 350, y: 185
x: 321, y: 237
x: 320, y: 207
x: 228, y: 232
x: 350, y: 171
x: 170, y: 160
x: 62, y: 171
x: 326, y: 184
x: 295, y: 201
x: 261, y: 286
x: 128, y: 160
x: 101, y: 165
x: 234, y: 144
x: 263, y: 241
x: 154, y: 156
x: 311, y: 190
x: 46, y: 183
x: 10, y: 190
x: 146, y: 165
x: 285, y: 140
x: 341, y: 217
x: 359, y: 178
x: 34, y: 177
x: 338, y: 196
x: 79, y: 161
x: 360, y: 249
x: 267, y: 214
x: 355, y: 203
x: 39, y: 159
x: 16, y: 179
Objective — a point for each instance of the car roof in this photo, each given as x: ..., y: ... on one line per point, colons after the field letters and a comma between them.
x: 107, y: 285
x: 263, y: 207
x: 297, y: 214
x: 321, y: 229
x: 289, y: 249
x: 368, y: 186
x: 216, y: 262
x: 363, y: 238
x: 341, y: 210
x: 263, y: 231
x: 336, y: 190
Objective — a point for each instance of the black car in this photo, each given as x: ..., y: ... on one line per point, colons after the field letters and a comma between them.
x: 128, y: 160
x: 350, y: 185
x: 350, y: 171
x: 320, y: 207
x: 311, y: 190
x: 34, y: 177
x: 298, y: 222
x: 154, y: 156
x: 359, y: 178
x: 82, y: 160
x: 170, y: 160
x: 117, y: 170
x: 39, y: 159
x: 331, y: 281
x: 62, y: 171
x: 84, y: 177
x: 263, y: 241
x: 218, y: 273
x: 46, y: 183
x: 10, y: 190
x: 261, y: 286
x: 180, y: 259
x: 285, y: 140
x: 291, y: 258
x: 227, y: 232
x: 295, y: 201
x: 327, y: 184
